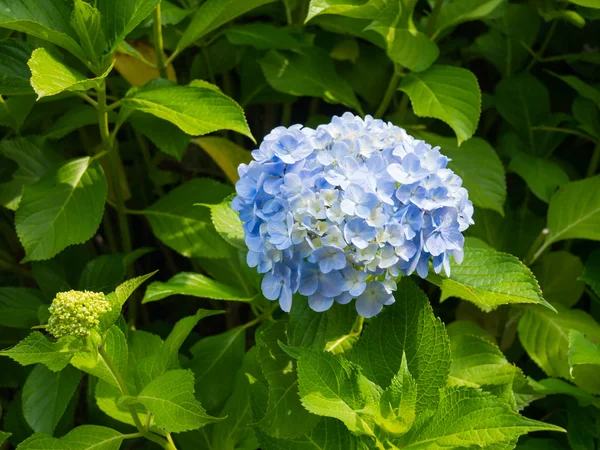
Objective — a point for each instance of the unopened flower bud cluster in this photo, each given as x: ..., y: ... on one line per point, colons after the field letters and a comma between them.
x: 76, y: 313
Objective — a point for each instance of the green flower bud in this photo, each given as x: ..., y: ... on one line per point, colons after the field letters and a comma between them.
x: 75, y: 313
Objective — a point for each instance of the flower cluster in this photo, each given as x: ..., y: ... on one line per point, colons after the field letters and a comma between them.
x: 340, y: 212
x: 75, y: 313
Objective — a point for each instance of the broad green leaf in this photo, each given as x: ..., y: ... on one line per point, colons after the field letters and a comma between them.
x: 48, y: 20
x: 361, y: 9
x: 85, y: 437
x: 195, y: 284
x: 398, y: 402
x: 543, y: 176
x: 332, y: 386
x: 233, y: 271
x: 14, y: 110
x: 213, y: 14
x: 591, y: 272
x: 457, y: 12
x: 75, y: 118
x: 37, y: 348
x: 588, y: 116
x: 330, y: 434
x: 447, y: 93
x: 478, y: 164
x: 195, y: 110
x: 265, y: 36
x: 319, y: 331
x: 489, y: 279
x: 170, y: 399
x: 166, y: 356
x: 553, y: 386
x: 63, y: 208
x: 412, y: 49
x: 14, y: 73
x: 557, y: 273
x: 407, y: 326
x: 468, y: 417
x: 120, y: 18
x: 227, y: 223
x: 574, y: 211
x: 584, y: 89
x: 19, y: 307
x: 46, y: 395
x: 545, y: 336
x: 118, y: 298
x: 477, y: 361
x: 102, y: 274
x: 586, y: 3
x: 523, y: 102
x: 87, y: 22
x: 50, y: 76
x: 226, y: 154
x: 4, y: 436
x: 107, y: 398
x: 581, y: 428
x: 283, y: 416
x: 187, y: 228
x: 584, y: 359
x: 115, y: 346
x: 310, y: 73
x: 215, y: 361
x: 166, y: 136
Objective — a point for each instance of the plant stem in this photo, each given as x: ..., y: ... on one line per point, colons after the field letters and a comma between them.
x: 158, y: 44
x: 543, y: 47
x: 560, y: 130
x: 594, y: 162
x: 389, y: 94
x: 433, y: 19
x: 143, y: 145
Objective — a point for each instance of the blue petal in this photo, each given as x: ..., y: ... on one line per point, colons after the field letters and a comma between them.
x: 271, y: 286
x: 367, y: 306
x: 319, y: 303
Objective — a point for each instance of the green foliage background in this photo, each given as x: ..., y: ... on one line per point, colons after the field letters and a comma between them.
x: 122, y: 123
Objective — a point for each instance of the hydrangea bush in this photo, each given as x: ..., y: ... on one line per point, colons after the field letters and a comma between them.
x: 414, y: 265
x: 340, y: 212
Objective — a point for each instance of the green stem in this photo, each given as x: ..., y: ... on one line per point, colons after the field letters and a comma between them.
x: 594, y: 162
x: 560, y: 130
x: 158, y: 44
x: 433, y: 19
x: 389, y: 94
x: 148, y: 161
x: 402, y: 108
x: 543, y: 47
x: 87, y: 98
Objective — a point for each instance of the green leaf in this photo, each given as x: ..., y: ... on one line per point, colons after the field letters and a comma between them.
x: 195, y: 110
x: 581, y: 426
x: 553, y: 386
x: 19, y: 307
x: 468, y: 417
x: 412, y: 49
x: 310, y: 73
x: 14, y: 111
x: 121, y: 17
x: 73, y: 119
x: 170, y: 399
x: 227, y: 223
x: 332, y: 386
x: 283, y: 415
x: 407, y: 326
x: 489, y: 279
x: 588, y: 116
x: 48, y: 20
x: 523, y: 102
x: 102, y: 274
x: 85, y: 437
x: 557, y: 273
x: 591, y: 272
x: 118, y: 298
x: 63, y: 208
x: 46, y: 395
x: 4, y: 436
x: 398, y: 402
x: 213, y: 14
x: 166, y: 356
x: 215, y: 362
x: 543, y: 176
x: 361, y: 9
x: 226, y: 154
x: 87, y: 23
x: 115, y: 346
x: 265, y: 36
x: 586, y: 3
x: 584, y: 359
x: 50, y: 76
x: 330, y: 434
x: 186, y: 228
x: 455, y: 13
x: 584, y: 89
x: 36, y: 348
x: 574, y: 212
x: 447, y: 93
x: 545, y: 336
x: 478, y: 164
x: 14, y: 73
x: 195, y: 284
x: 166, y: 136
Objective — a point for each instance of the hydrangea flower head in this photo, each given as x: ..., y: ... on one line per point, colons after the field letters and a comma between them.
x: 76, y: 313
x: 339, y: 213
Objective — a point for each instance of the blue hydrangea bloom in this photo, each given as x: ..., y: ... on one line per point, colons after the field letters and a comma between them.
x: 339, y: 213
